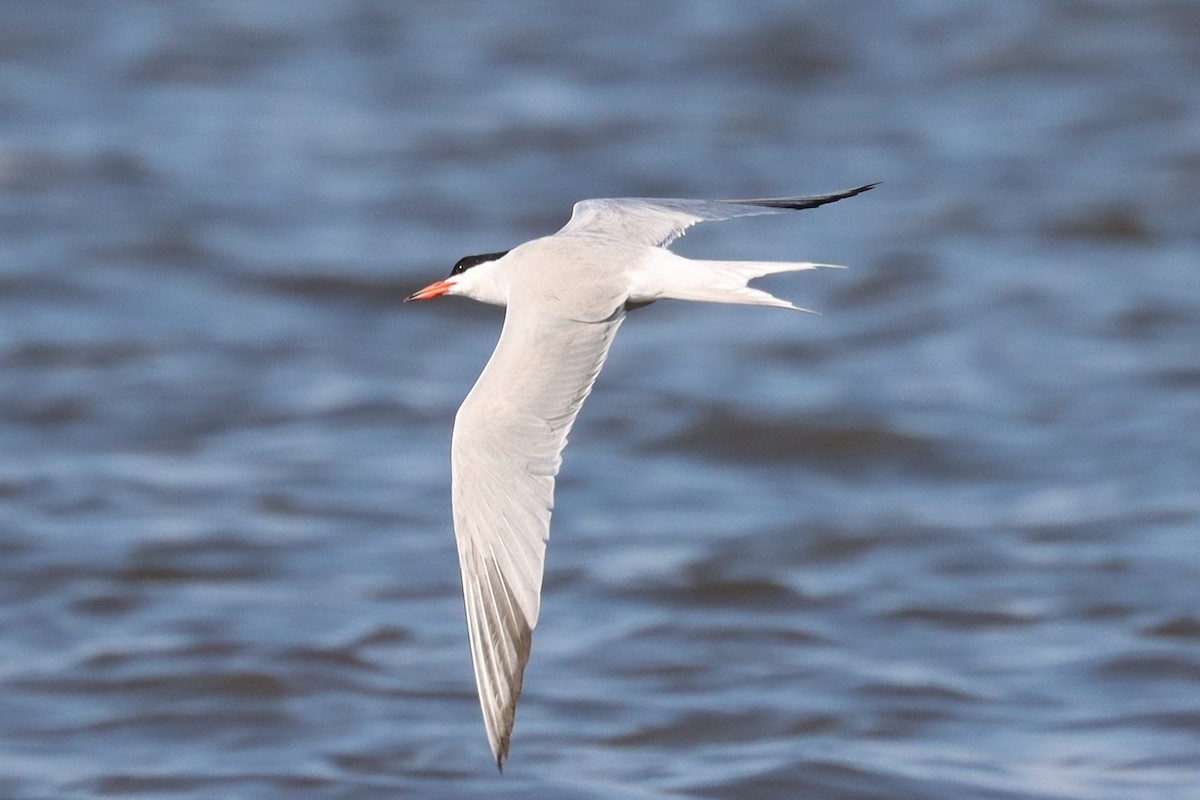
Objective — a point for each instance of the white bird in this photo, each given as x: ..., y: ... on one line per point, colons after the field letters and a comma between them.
x: 566, y: 295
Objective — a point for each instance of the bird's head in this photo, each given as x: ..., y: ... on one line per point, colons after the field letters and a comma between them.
x: 477, y: 277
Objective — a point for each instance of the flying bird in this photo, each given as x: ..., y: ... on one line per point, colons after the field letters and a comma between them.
x: 566, y: 294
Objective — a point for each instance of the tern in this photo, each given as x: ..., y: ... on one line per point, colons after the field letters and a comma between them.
x: 565, y: 296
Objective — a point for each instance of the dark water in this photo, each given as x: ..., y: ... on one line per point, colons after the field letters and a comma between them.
x: 942, y: 541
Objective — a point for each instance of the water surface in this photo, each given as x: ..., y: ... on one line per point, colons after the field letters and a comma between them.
x: 938, y: 542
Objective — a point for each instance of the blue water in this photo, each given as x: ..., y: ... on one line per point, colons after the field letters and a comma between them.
x: 942, y: 541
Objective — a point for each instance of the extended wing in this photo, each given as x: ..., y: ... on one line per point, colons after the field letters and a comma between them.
x: 658, y: 222
x: 508, y: 439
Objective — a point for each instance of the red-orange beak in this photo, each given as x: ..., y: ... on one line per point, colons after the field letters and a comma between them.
x: 435, y: 289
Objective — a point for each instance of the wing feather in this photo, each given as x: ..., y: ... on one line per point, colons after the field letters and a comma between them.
x: 658, y: 222
x: 507, y: 447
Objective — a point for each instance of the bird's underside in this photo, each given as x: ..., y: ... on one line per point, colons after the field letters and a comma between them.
x: 566, y: 296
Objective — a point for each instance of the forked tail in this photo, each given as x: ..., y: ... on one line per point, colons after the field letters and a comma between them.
x: 670, y: 276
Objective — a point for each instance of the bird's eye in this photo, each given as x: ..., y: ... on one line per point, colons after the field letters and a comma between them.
x: 464, y: 264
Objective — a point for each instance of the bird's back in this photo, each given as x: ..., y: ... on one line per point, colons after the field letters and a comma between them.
x: 585, y: 277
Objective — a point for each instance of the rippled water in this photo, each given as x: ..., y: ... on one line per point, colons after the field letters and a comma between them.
x: 939, y: 542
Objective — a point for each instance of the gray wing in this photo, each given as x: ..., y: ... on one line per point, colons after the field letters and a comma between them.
x: 658, y: 222
x: 508, y: 439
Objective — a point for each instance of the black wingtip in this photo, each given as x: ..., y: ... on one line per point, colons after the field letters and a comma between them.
x: 810, y: 201
x: 832, y: 198
x: 501, y: 754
